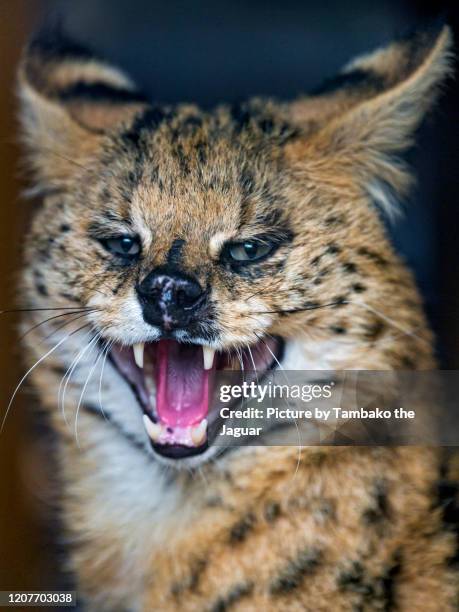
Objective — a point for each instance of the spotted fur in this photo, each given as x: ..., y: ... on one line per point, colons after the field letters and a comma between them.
x: 343, y: 529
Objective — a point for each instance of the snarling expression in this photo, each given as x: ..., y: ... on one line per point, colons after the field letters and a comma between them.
x: 199, y: 241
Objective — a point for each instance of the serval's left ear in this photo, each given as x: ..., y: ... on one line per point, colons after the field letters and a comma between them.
x: 358, y: 122
x: 70, y: 100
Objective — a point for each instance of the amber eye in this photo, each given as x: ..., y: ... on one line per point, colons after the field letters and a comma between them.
x: 246, y: 252
x: 123, y: 246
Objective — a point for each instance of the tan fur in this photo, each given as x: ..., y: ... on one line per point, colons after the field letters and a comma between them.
x: 261, y: 528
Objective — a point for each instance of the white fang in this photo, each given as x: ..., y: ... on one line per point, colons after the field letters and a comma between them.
x: 208, y: 356
x: 138, y: 353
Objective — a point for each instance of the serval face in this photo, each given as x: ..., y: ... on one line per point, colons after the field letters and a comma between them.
x: 186, y: 242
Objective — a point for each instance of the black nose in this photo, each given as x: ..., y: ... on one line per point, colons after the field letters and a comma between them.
x: 170, y: 298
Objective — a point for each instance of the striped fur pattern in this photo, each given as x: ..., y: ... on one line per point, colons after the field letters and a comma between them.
x: 343, y: 528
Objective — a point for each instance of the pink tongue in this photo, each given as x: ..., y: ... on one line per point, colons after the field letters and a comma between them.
x: 182, y: 384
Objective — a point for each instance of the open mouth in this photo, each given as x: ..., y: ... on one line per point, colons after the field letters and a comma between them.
x: 175, y: 386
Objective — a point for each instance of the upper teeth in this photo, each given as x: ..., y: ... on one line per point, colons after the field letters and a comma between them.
x: 208, y: 353
x: 138, y: 353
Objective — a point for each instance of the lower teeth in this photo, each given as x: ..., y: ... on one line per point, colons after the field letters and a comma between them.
x: 186, y: 436
x: 199, y: 433
x: 153, y: 429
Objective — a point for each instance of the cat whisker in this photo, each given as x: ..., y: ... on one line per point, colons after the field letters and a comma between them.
x: 65, y: 158
x: 362, y: 304
x: 30, y: 370
x: 58, y: 316
x: 108, y: 346
x: 68, y: 375
x: 59, y: 327
x: 394, y: 324
x: 253, y: 362
x: 261, y: 292
x: 74, y: 308
x: 294, y: 310
x: 299, y: 445
x: 203, y: 477
x: 91, y: 372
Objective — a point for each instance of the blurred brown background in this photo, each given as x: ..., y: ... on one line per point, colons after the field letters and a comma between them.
x: 207, y: 51
x: 20, y: 545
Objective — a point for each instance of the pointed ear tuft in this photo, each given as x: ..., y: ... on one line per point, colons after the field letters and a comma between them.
x: 368, y: 114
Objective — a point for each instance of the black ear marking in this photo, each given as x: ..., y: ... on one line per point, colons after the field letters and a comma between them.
x: 366, y: 117
x: 100, y: 92
x: 356, y: 80
x: 147, y: 121
x: 80, y: 84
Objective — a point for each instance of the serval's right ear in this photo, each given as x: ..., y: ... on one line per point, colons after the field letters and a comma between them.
x: 70, y: 100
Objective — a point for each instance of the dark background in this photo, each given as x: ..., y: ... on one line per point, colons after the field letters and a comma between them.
x: 210, y: 52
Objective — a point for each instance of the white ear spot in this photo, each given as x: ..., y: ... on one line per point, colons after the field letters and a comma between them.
x: 216, y: 243
x: 385, y: 199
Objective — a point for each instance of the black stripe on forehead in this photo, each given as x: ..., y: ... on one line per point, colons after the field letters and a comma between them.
x: 174, y: 256
x: 148, y: 121
x: 256, y: 115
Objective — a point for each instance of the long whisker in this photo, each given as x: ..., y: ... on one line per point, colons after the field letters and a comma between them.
x: 65, y: 158
x: 64, y: 314
x: 68, y: 376
x: 261, y: 292
x: 91, y: 372
x: 261, y: 339
x: 293, y: 310
x: 239, y: 356
x: 253, y: 362
x: 384, y: 317
x: 108, y: 346
x: 299, y: 445
x: 59, y: 327
x: 99, y: 291
x: 233, y: 358
x: 30, y: 370
x: 406, y: 332
x: 241, y: 361
x: 15, y: 310
x: 204, y: 479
